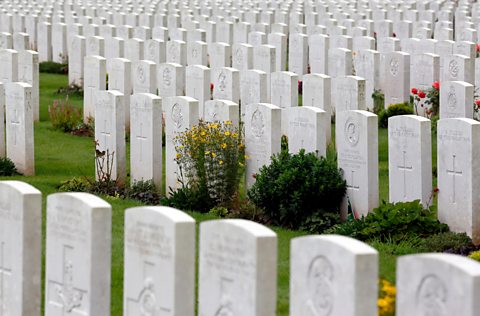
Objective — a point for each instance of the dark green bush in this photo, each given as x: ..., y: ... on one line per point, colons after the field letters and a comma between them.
x: 393, y: 222
x: 75, y: 185
x: 64, y: 117
x: 7, y: 167
x: 448, y: 242
x: 293, y: 188
x: 53, y: 68
x: 393, y: 110
x: 143, y: 191
x: 378, y: 101
x: 189, y: 199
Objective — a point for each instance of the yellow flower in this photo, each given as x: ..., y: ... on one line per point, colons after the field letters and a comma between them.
x: 179, y: 155
x: 247, y: 157
x: 214, y: 155
x: 203, y: 133
x: 223, y: 145
x: 382, y: 303
x: 227, y: 133
x: 215, y: 126
x: 234, y: 135
x: 221, y: 162
x: 228, y: 122
x: 207, y: 152
x: 241, y: 164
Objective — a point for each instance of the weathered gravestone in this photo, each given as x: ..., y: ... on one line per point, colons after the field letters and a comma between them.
x: 409, y: 159
x: 332, y: 275
x: 75, y: 60
x: 119, y: 78
x: 19, y: 127
x: 437, y: 284
x: 95, y: 75
x: 458, y: 145
x: 8, y: 65
x: 159, y: 275
x: 425, y: 70
x: 181, y: 113
x: 20, y: 249
x: 307, y: 129
x: 110, y: 136
x: 29, y: 72
x: 458, y: 68
x: 349, y: 94
x: 170, y: 80
x: 397, y: 78
x: 226, y: 84
x: 78, y: 251
x: 357, y: 149
x: 144, y: 77
x: 197, y: 85
x: 456, y: 99
x: 262, y: 137
x: 238, y: 268
x: 222, y: 110
x: 253, y: 87
x: 146, y: 139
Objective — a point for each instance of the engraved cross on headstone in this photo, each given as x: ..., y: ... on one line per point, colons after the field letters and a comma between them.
x: 141, y: 140
x: 4, y: 272
x: 16, y: 124
x: 454, y: 173
x: 147, y: 303
x: 351, y: 185
x: 404, y: 168
x: 63, y: 294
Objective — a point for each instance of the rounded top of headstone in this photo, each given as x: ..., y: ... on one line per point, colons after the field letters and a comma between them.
x: 410, y: 117
x: 466, y: 265
x: 90, y: 200
x: 350, y: 244
x: 250, y: 227
x: 171, y: 213
x: 19, y: 186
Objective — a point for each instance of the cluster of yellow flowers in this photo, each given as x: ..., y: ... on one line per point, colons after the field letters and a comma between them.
x: 386, y: 302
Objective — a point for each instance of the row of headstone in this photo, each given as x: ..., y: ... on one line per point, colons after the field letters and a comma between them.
x: 329, y: 274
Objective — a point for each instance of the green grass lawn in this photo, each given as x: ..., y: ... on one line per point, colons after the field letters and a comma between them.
x: 59, y: 157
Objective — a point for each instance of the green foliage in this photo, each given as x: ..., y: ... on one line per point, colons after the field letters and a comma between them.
x: 143, y: 191
x: 7, y: 167
x: 378, y: 101
x: 53, y: 68
x: 211, y: 158
x: 219, y: 211
x: 393, y: 110
x: 293, y: 188
x: 433, y: 122
x: 189, y: 199
x: 393, y: 222
x: 475, y: 255
x: 64, y: 117
x: 446, y: 241
x: 318, y: 223
x: 75, y: 184
x: 433, y: 100
x: 72, y: 90
x: 245, y: 209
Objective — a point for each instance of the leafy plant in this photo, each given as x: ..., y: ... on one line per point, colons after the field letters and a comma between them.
x: 7, y: 167
x: 378, y: 101
x: 475, y: 255
x: 188, y: 199
x: 386, y: 300
x: 211, y: 157
x: 447, y: 242
x: 75, y: 185
x: 53, y: 68
x: 393, y: 222
x: 219, y: 211
x: 393, y: 110
x: 143, y: 191
x: 73, y: 90
x: 295, y: 187
x: 64, y: 117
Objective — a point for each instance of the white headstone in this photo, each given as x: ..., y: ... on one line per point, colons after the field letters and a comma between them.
x: 197, y: 85
x: 307, y: 129
x: 76, y: 60
x: 29, y: 72
x: 226, y: 84
x: 78, y: 252
x: 397, y: 78
x: 95, y: 80
x: 222, y: 110
x: 119, y: 78
x: 238, y: 268
x: 170, y: 80
x: 8, y: 65
x: 144, y: 77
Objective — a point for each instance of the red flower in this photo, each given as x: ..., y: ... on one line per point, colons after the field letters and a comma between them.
x: 211, y: 86
x: 436, y: 85
x: 300, y: 86
x: 394, y: 35
x: 477, y: 102
x: 436, y: 190
x: 421, y: 95
x: 478, y: 47
x: 414, y: 91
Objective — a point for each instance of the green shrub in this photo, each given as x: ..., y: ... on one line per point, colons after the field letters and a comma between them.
x: 393, y: 222
x: 219, y: 211
x: 189, y: 199
x: 53, y: 68
x: 75, y: 185
x: 73, y: 90
x: 447, y: 241
x: 378, y: 101
x: 393, y: 110
x: 64, y: 117
x: 245, y: 209
x: 475, y: 255
x: 293, y: 188
x: 7, y: 167
x: 143, y: 191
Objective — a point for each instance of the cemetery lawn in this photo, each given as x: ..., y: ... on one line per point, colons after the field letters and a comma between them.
x: 60, y: 156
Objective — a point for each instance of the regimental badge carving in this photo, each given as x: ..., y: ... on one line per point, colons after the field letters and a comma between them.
x: 141, y: 74
x: 194, y: 52
x: 147, y: 299
x: 431, y: 297
x: 173, y: 51
x: 222, y: 78
x: 212, y: 112
x: 70, y: 297
x: 177, y: 116
x: 453, y: 68
x: 258, y: 124
x: 239, y: 56
x: 167, y: 77
x: 319, y: 279
x: 452, y: 98
x: 352, y: 132
x: 394, y: 66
